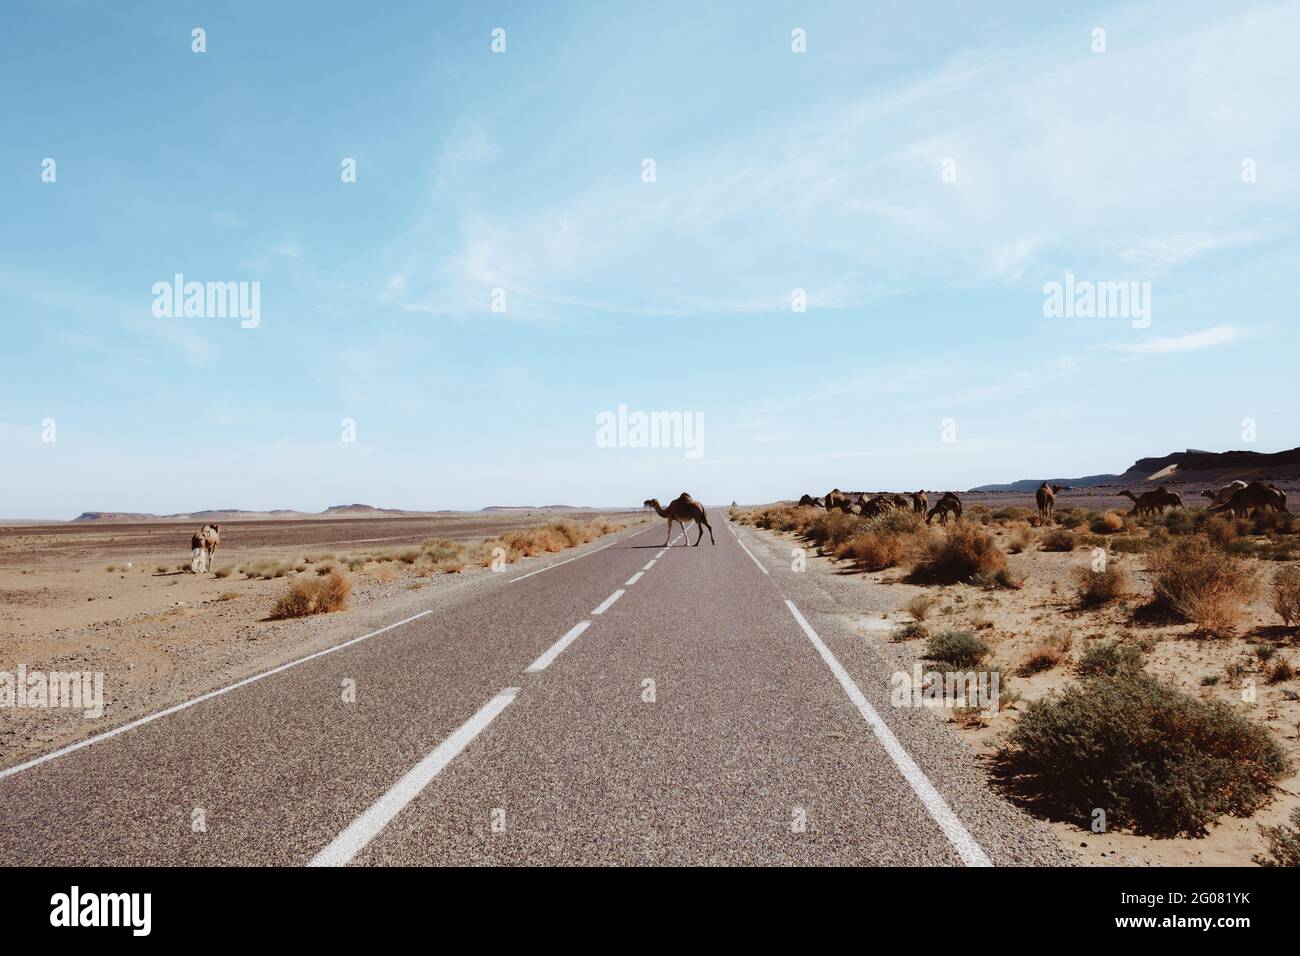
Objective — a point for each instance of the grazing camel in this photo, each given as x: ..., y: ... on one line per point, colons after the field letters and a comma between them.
x: 682, y: 509
x: 948, y: 504
x: 838, y: 499
x: 203, y: 547
x: 1046, y: 497
x: 1153, y: 502
x: 808, y: 501
x: 1223, y: 495
x: 1256, y: 496
x: 919, y: 502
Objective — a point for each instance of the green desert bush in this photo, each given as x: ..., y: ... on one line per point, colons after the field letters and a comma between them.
x: 1158, y: 760
x: 1113, y: 658
x: 962, y: 650
x: 1283, y: 843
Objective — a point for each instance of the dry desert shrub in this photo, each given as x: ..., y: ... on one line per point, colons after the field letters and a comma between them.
x: 1160, y: 761
x: 1099, y: 588
x: 1113, y: 658
x: 919, y: 607
x: 1286, y: 596
x: 830, y: 529
x: 1107, y: 523
x: 964, y: 553
x: 313, y: 596
x: 1058, y: 539
x: 1046, y: 654
x: 1020, y: 540
x: 1283, y: 843
x: 1203, y: 585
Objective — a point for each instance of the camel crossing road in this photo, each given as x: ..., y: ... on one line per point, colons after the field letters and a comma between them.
x: 632, y: 704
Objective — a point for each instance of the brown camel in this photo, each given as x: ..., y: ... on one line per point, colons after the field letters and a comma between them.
x: 203, y: 547
x: 682, y: 509
x: 808, y: 501
x: 919, y: 502
x: 948, y: 504
x: 1256, y: 496
x: 1223, y: 495
x: 1153, y: 502
x: 838, y: 499
x: 1046, y: 497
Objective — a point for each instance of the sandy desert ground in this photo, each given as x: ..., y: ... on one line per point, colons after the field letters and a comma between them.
x: 118, y: 598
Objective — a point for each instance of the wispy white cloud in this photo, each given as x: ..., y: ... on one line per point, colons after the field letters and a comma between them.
x: 1191, y: 342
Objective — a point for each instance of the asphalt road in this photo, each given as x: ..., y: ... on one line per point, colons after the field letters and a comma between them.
x: 712, y: 710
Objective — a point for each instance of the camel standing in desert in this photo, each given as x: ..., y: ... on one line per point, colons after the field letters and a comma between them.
x: 1153, y: 502
x: 203, y: 547
x: 1046, y: 498
x: 1221, y: 496
x: 838, y: 499
x: 682, y: 509
x: 1256, y: 496
x: 919, y: 502
x: 808, y: 501
x: 949, y: 504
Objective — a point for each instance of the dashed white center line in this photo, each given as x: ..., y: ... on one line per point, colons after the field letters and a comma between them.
x: 552, y: 652
x: 650, y: 564
x: 970, y: 851
x: 633, y: 579
x: 344, y: 847
x: 605, y: 604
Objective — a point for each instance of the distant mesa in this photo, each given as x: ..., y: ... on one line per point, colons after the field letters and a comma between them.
x: 1192, y: 466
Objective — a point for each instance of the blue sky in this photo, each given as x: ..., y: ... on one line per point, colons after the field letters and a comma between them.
x: 522, y: 171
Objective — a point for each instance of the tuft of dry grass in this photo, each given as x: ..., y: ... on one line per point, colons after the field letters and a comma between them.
x: 1020, y: 540
x: 1099, y: 588
x: 1286, y: 596
x: 1052, y: 650
x: 223, y: 572
x: 318, y: 596
x: 1107, y: 523
x: 919, y: 607
x: 228, y: 596
x: 1203, y: 585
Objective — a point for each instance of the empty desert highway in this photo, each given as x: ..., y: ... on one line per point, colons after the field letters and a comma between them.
x: 618, y: 705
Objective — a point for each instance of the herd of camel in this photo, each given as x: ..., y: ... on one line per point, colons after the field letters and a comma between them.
x: 1235, y: 498
x: 915, y: 501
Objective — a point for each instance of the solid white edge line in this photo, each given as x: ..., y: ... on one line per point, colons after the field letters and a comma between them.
x: 200, y: 699
x: 344, y: 847
x: 633, y: 579
x: 751, y: 555
x: 552, y: 652
x: 605, y: 604
x: 965, y: 845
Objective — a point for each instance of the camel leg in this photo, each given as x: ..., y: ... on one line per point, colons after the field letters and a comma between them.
x: 670, y: 533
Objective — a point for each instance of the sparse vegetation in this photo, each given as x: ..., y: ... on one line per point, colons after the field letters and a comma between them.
x: 1158, y: 760
x: 919, y: 607
x: 1046, y: 654
x: 1058, y: 539
x: 1283, y: 843
x: 314, y: 596
x: 960, y: 649
x: 1202, y: 584
x: 1286, y: 596
x: 1099, y: 588
x: 964, y: 552
x: 1113, y: 658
